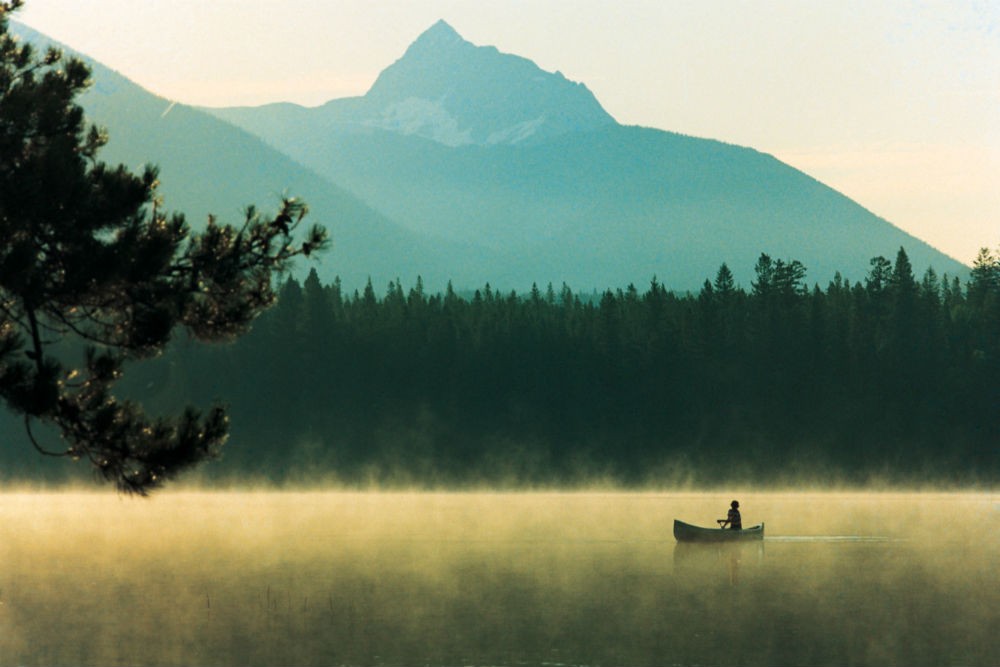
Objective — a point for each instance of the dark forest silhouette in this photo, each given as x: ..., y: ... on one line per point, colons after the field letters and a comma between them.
x: 891, y: 377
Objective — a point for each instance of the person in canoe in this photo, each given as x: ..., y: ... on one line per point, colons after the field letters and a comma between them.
x: 733, y: 519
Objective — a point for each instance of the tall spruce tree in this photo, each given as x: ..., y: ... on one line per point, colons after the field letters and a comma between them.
x: 984, y: 280
x: 93, y: 273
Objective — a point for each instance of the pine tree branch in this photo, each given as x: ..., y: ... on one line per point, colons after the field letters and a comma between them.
x: 41, y: 450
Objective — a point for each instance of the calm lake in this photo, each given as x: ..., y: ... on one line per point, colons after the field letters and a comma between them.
x: 344, y: 578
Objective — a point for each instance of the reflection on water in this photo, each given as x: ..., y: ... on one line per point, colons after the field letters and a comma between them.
x: 501, y: 579
x: 710, y: 560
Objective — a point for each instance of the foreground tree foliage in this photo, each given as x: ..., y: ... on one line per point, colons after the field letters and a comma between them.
x: 93, y: 270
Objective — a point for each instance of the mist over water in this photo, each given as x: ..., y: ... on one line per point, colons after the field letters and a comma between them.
x: 324, y: 578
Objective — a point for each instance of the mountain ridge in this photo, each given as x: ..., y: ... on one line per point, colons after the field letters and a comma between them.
x: 595, y: 208
x: 605, y: 203
x: 435, y: 91
x: 209, y: 166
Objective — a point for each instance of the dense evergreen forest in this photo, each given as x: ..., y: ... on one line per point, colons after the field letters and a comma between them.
x: 892, y: 378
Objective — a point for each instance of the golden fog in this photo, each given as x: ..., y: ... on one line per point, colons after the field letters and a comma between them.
x: 324, y: 578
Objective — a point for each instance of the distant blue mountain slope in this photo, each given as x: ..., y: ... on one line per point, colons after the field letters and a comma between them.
x: 573, y: 198
x: 210, y: 166
x: 585, y: 200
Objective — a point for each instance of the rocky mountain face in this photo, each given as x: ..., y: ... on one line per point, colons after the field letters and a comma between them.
x: 449, y: 91
x: 455, y: 93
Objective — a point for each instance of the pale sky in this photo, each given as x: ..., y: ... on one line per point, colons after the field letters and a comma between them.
x: 896, y: 103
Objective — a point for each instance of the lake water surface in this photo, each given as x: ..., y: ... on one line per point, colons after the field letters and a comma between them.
x: 344, y: 578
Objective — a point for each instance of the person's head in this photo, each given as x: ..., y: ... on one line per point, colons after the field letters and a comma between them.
x: 734, y: 504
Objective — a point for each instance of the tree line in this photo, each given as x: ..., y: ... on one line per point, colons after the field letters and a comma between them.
x: 892, y: 378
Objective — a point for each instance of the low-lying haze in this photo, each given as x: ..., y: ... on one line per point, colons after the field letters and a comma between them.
x: 501, y: 579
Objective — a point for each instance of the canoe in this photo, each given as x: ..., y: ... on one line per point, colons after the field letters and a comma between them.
x: 685, y: 532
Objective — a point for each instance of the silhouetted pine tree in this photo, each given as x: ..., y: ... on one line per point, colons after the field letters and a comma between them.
x: 88, y: 255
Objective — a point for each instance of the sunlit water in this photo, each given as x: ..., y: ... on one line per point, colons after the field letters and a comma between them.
x: 496, y: 579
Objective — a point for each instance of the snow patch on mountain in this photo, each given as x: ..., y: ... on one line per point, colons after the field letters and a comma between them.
x: 516, y: 133
x: 426, y: 118
x: 432, y: 120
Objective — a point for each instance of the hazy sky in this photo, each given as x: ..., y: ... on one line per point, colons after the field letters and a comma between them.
x: 894, y: 103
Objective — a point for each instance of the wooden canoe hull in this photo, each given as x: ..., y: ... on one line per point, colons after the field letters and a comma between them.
x: 685, y: 532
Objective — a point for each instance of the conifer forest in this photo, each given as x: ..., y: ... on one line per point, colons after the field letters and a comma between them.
x: 892, y: 378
